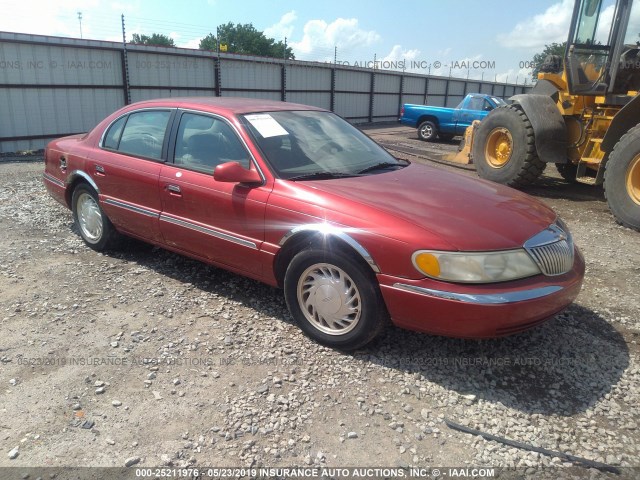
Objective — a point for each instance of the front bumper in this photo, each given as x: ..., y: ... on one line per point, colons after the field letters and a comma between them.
x: 479, y: 311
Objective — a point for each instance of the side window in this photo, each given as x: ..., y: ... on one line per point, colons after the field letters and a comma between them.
x: 143, y: 134
x: 205, y: 142
x: 475, y: 103
x: 486, y: 106
x: 112, y: 138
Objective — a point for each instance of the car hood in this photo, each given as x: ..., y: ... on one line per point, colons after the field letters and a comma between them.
x: 467, y: 213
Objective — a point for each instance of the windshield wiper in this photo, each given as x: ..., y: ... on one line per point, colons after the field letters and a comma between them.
x: 379, y: 166
x: 322, y: 175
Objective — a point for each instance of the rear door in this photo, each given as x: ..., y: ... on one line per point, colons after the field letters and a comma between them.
x: 219, y: 221
x: 126, y: 168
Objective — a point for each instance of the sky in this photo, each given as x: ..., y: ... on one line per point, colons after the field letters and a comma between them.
x: 492, y: 39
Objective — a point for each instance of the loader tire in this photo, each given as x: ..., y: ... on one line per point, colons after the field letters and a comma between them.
x: 504, y: 148
x: 622, y: 180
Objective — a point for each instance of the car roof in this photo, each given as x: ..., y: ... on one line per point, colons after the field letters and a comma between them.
x: 233, y: 105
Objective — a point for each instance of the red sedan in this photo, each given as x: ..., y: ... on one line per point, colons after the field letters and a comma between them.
x: 296, y: 197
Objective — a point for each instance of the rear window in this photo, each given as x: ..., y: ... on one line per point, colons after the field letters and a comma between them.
x: 139, y: 133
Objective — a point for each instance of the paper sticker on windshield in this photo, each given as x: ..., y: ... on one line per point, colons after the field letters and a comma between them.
x: 266, y: 125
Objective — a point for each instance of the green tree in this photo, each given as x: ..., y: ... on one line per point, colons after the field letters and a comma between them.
x: 246, y: 39
x: 539, y: 58
x: 208, y: 43
x: 157, y: 39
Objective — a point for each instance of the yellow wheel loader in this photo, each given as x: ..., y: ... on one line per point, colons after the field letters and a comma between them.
x: 583, y: 114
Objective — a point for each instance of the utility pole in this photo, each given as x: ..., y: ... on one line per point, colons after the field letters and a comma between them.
x: 80, y: 21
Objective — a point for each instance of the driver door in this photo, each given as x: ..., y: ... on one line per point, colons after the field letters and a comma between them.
x: 218, y: 221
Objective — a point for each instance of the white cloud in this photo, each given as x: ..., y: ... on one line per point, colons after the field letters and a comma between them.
x: 284, y: 27
x: 44, y: 17
x: 320, y: 38
x: 542, y: 29
x: 193, y: 43
x: 513, y: 76
x: 398, y: 53
x: 60, y: 18
x: 401, y: 59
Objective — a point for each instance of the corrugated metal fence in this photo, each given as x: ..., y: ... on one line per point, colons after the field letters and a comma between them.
x: 53, y: 86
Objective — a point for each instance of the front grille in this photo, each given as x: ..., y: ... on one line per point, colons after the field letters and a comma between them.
x: 552, y: 250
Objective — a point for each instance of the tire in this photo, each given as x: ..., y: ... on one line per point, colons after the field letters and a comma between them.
x: 427, y: 131
x: 349, y: 295
x: 504, y: 149
x: 622, y: 180
x: 94, y: 226
x: 568, y: 171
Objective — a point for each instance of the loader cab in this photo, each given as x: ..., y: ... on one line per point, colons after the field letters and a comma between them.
x: 603, y: 52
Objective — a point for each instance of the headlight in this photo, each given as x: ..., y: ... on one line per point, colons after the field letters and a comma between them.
x: 475, y: 267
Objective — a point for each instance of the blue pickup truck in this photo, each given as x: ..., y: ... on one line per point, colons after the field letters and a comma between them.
x: 446, y: 123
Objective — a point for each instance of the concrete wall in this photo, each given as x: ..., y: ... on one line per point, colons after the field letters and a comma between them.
x: 54, y: 86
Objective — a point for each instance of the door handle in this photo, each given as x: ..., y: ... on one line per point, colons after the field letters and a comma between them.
x: 174, y: 190
x: 63, y: 164
x: 99, y: 169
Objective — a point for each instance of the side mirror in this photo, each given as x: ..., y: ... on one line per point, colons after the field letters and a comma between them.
x: 233, y: 172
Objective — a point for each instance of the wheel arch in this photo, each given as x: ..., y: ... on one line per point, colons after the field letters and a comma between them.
x: 549, y: 128
x: 427, y: 117
x: 320, y: 235
x: 74, y: 179
x: 622, y: 122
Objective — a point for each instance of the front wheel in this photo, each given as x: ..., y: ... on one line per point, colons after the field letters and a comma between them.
x: 427, y: 131
x: 95, y: 228
x: 504, y: 148
x: 622, y: 179
x: 333, y: 299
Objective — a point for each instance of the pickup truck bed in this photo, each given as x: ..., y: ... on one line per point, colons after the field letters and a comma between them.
x: 445, y: 123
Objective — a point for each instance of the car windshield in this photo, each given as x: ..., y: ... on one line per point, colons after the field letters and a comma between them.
x: 316, y: 145
x: 498, y: 101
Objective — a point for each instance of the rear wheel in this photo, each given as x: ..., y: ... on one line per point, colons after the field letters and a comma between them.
x: 333, y: 299
x: 504, y: 148
x: 95, y: 228
x: 427, y: 131
x: 622, y: 179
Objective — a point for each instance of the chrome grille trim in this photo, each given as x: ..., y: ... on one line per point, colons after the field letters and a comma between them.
x: 552, y: 250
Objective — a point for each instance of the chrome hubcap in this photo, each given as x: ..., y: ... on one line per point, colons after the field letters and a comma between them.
x: 329, y: 299
x: 89, y: 218
x: 427, y: 131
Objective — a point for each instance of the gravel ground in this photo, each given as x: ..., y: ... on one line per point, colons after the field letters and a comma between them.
x: 144, y: 357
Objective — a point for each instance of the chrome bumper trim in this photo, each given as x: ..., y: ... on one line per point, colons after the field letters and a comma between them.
x: 483, y: 298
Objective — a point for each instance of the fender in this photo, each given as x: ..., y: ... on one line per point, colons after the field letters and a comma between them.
x: 625, y: 120
x: 549, y: 128
x: 79, y: 173
x: 332, y: 231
